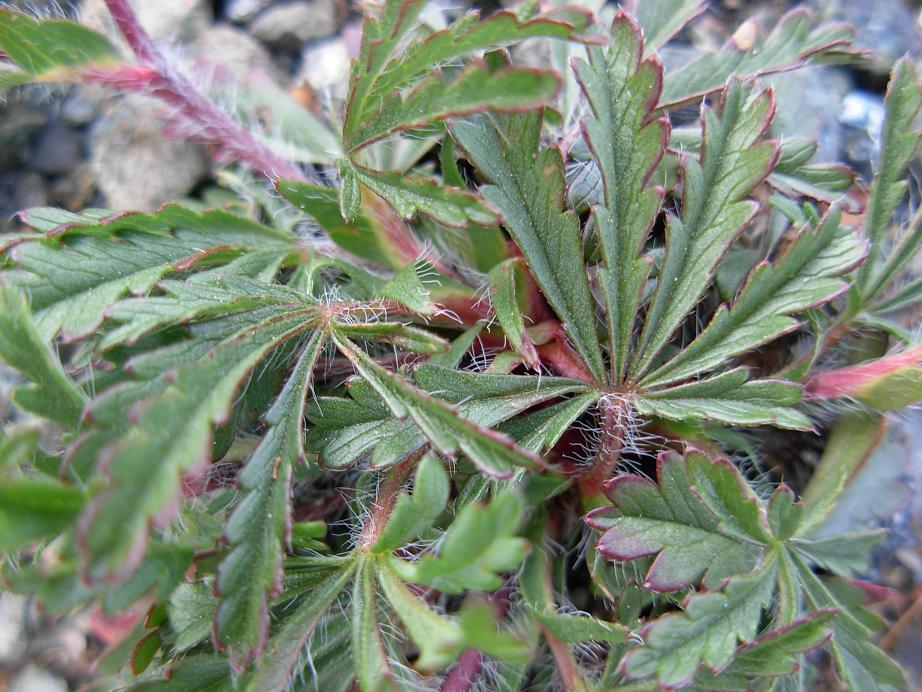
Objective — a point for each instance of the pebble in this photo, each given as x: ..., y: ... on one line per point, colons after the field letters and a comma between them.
x: 293, y: 24
x: 325, y: 67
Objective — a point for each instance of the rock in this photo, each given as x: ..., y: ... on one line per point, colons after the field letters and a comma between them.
x: 12, y: 607
x: 295, y: 23
x: 81, y: 105
x: 57, y: 150
x: 242, y: 11
x: 172, y: 20
x: 888, y: 30
x: 236, y: 50
x: 135, y: 165
x: 20, y: 191
x: 35, y: 679
x: 862, y: 118
x: 325, y: 67
x: 18, y: 122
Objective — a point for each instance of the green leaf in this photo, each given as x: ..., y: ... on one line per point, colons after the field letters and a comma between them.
x: 439, y: 639
x: 409, y: 194
x: 774, y: 653
x: 899, y: 141
x: 285, y: 648
x: 728, y: 398
x: 345, y: 430
x: 706, y: 632
x: 33, y: 509
x: 789, y: 45
x: 802, y: 278
x: 52, y: 394
x: 76, y: 272
x: 417, y: 512
x: 714, y: 211
x: 259, y: 525
x: 505, y: 295
x: 627, y: 143
x: 573, y: 629
x: 388, y: 63
x: 527, y: 187
x: 172, y: 435
x: 478, y: 545
x: 404, y: 336
x: 350, y: 192
x: 191, y: 611
x: 476, y: 88
x: 51, y: 50
x: 448, y: 432
x: 700, y: 519
x: 850, y: 443
x: 406, y: 287
x: 660, y: 20
x: 368, y: 655
x: 860, y: 664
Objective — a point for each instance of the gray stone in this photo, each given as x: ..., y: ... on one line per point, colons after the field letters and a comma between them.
x: 57, y: 150
x: 242, y: 11
x: 325, y: 67
x: 35, y: 679
x: 295, y: 23
x: 20, y: 191
x: 18, y: 123
x: 12, y: 607
x: 173, y: 20
x: 234, y: 49
x: 888, y: 30
x: 135, y: 165
x: 862, y: 118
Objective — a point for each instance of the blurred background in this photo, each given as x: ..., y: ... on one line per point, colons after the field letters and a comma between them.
x: 82, y: 147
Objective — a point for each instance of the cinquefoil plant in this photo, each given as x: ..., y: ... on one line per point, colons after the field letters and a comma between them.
x: 397, y: 429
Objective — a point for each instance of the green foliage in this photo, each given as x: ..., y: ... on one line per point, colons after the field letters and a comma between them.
x: 371, y: 433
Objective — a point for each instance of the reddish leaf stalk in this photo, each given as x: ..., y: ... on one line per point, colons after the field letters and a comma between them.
x: 614, y: 412
x: 386, y: 498
x: 197, y: 117
x: 462, y: 676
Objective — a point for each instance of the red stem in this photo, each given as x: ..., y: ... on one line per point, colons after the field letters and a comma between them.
x: 199, y: 118
x: 386, y: 499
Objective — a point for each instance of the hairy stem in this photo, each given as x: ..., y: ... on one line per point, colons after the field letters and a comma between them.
x: 614, y: 413
x: 385, y: 500
x: 197, y: 117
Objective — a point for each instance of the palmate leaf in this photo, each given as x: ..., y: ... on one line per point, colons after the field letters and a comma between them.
x: 259, y: 525
x: 627, y: 143
x: 345, y: 430
x: 804, y: 277
x: 707, y: 632
x: 50, y: 50
x: 527, y: 187
x: 386, y: 64
x: 79, y: 269
x: 172, y: 434
x: 789, y: 45
x: 449, y: 433
x: 51, y: 394
x: 669, y: 519
x: 714, y: 211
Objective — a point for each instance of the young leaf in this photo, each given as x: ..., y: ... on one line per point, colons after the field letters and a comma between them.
x: 478, y: 546
x: 670, y: 519
x: 714, y: 211
x: 527, y: 187
x: 627, y: 143
x: 369, y: 657
x: 261, y: 522
x: 789, y: 45
x: 415, y: 513
x: 439, y: 639
x: 52, y: 393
